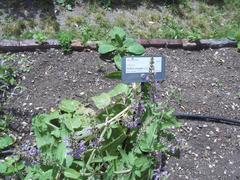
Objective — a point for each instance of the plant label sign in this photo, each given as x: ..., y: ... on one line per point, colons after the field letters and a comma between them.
x: 136, y: 69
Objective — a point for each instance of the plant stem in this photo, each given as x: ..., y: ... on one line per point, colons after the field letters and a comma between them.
x: 105, y: 130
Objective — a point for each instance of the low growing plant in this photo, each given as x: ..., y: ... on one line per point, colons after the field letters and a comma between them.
x: 7, y: 78
x: 129, y: 137
x: 39, y: 37
x: 65, y: 39
x: 119, y: 45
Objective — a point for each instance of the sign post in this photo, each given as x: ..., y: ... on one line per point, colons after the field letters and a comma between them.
x: 136, y: 69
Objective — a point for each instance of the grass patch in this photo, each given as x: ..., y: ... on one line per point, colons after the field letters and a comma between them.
x: 187, y: 19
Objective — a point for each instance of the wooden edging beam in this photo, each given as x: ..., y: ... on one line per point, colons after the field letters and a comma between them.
x: 77, y: 45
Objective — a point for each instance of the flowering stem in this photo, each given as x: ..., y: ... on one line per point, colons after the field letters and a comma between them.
x: 105, y: 130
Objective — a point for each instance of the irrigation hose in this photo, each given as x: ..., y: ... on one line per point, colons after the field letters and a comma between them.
x: 207, y: 118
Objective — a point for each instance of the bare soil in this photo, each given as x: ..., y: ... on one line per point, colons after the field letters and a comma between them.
x: 201, y: 82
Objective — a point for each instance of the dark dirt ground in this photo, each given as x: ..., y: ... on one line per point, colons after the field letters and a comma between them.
x: 205, y: 82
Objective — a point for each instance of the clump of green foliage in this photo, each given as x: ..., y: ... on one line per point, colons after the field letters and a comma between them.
x: 65, y: 38
x: 118, y: 45
x: 39, y: 37
x: 122, y: 140
x: 7, y: 78
x: 10, y: 164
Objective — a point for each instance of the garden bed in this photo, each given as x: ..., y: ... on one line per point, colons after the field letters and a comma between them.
x: 201, y: 82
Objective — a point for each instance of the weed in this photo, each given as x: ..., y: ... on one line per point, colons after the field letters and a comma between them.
x: 4, y: 121
x: 119, y: 45
x: 65, y: 38
x: 7, y: 79
x: 39, y: 37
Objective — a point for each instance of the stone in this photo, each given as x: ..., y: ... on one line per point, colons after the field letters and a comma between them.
x: 77, y: 45
x: 188, y: 45
x: 91, y: 45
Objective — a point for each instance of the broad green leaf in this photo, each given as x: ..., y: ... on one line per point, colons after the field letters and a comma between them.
x: 148, y: 139
x: 138, y: 173
x: 76, y: 122
x: 168, y: 121
x: 128, y: 42
x: 166, y: 124
x: 6, y: 141
x: 67, y: 120
x: 114, y: 75
x: 48, y: 175
x: 3, y: 168
x: 118, y: 61
x: 136, y: 49
x: 43, y: 140
x: 69, y: 106
x: 56, y: 133
x: 238, y: 45
x: 105, y: 48
x: 10, y: 165
x: 102, y: 101
x: 117, y: 31
x: 62, y: 154
x: 119, y: 89
x: 15, y: 168
x: 142, y: 163
x: 71, y: 173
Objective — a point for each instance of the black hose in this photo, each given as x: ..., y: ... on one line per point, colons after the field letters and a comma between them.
x: 207, y: 118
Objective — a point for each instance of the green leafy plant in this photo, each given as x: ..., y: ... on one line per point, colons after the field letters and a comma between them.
x: 39, y: 37
x: 127, y: 137
x: 7, y: 78
x: 119, y: 45
x: 10, y: 165
x: 124, y: 140
x: 68, y: 4
x: 6, y: 141
x: 65, y: 39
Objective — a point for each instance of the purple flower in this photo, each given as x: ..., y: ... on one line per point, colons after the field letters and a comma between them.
x: 95, y: 143
x: 81, y: 147
x: 159, y: 174
x: 141, y: 108
x: 33, y: 151
x: 133, y: 123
